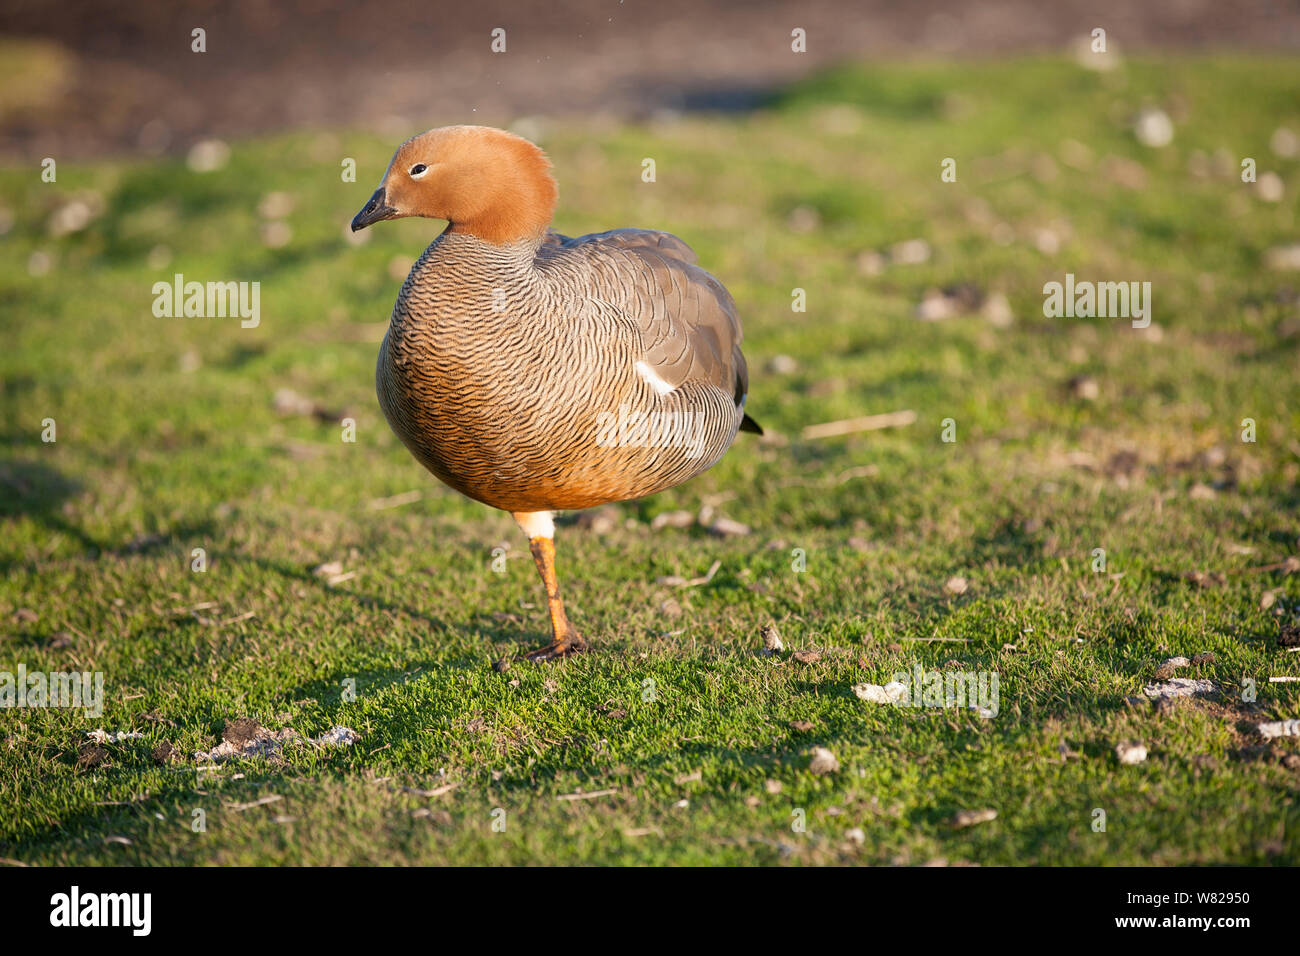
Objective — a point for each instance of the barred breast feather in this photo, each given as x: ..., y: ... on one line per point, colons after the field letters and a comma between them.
x: 563, y: 373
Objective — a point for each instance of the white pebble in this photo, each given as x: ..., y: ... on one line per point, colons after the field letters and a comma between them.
x: 1154, y: 128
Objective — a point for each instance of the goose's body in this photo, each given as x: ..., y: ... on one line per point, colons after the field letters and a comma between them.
x: 504, y: 368
x: 533, y: 372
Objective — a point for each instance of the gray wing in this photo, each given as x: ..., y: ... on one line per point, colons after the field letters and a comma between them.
x: 690, y: 329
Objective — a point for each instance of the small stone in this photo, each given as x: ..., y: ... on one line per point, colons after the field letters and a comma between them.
x: 672, y: 519
x: 956, y: 585
x: 727, y: 528
x: 1085, y: 387
x: 856, y: 836
x: 935, y: 306
x: 1270, y: 730
x: 997, y: 310
x: 773, y: 786
x: 891, y: 693
x: 1269, y: 188
x: 1283, y: 257
x: 807, y: 656
x: 71, y: 217
x: 910, y: 252
x: 771, y: 641
x: 969, y: 818
x: 822, y: 761
x: 1154, y: 128
x: 337, y: 737
x: 1047, y: 241
x: 208, y: 155
x: 1130, y: 753
x: 1284, y: 143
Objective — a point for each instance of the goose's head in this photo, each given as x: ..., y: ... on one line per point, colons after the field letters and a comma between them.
x: 485, y: 182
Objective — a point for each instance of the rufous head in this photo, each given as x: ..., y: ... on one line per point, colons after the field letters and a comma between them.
x: 485, y: 182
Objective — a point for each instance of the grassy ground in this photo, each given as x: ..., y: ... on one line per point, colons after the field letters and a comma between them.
x: 1072, y: 435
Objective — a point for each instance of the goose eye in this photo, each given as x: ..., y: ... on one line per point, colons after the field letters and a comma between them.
x: 418, y: 169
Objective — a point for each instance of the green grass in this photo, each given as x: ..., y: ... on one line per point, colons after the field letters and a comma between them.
x: 168, y: 441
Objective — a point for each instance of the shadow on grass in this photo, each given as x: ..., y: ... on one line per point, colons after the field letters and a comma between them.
x: 38, y: 491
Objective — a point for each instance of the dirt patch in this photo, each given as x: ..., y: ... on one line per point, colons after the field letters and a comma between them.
x: 242, y: 731
x: 91, y: 755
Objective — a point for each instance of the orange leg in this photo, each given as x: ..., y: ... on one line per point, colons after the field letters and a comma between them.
x: 565, y: 640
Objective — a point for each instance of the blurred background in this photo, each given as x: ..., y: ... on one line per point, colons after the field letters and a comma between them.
x: 84, y: 77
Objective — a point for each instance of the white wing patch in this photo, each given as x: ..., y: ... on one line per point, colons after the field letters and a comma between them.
x: 653, y: 380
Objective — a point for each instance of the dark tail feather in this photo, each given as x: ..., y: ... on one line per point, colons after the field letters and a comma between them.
x: 748, y: 424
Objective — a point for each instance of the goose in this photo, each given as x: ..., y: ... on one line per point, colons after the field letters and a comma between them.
x: 538, y: 373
